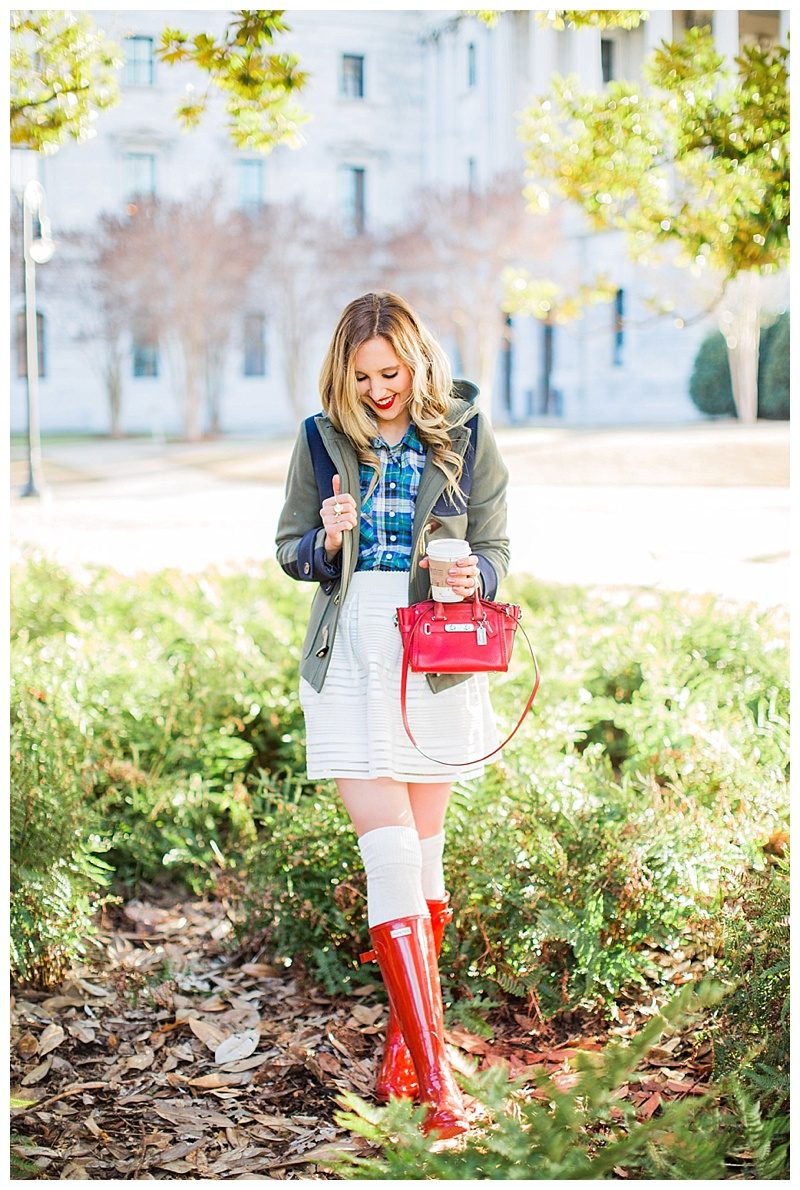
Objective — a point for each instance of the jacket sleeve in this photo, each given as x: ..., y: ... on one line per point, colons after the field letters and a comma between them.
x: 487, y: 510
x: 300, y: 536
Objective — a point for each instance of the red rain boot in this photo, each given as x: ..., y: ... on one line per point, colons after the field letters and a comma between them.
x: 406, y: 954
x: 397, y: 1076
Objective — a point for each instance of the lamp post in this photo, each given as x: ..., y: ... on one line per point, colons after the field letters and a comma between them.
x: 36, y: 250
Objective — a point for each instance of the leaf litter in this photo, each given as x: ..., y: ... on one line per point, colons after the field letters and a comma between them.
x: 156, y: 1058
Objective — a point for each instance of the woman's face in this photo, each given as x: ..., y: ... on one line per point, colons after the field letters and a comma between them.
x: 384, y: 385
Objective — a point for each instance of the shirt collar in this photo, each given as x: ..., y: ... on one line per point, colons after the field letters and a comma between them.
x: 409, y: 441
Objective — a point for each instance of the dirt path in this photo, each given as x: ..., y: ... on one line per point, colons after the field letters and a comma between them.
x: 166, y: 1055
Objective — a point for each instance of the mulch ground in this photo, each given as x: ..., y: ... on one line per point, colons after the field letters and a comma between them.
x: 166, y: 1056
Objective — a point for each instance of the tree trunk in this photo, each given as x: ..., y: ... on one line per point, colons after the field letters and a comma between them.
x: 113, y: 377
x: 739, y: 322
x: 192, y: 394
x: 294, y: 368
x: 478, y: 346
x: 215, y: 366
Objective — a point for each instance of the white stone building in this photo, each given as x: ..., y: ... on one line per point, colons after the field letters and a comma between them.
x: 399, y: 100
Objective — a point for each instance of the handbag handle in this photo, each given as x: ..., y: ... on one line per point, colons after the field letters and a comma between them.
x: 404, y: 707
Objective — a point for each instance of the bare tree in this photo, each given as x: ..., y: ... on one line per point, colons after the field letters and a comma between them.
x: 188, y: 264
x: 450, y: 262
x: 92, y: 276
x: 307, y: 269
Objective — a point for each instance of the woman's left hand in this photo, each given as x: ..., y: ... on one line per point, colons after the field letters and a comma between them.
x: 463, y: 576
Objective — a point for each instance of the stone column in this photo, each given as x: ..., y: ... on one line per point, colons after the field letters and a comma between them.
x: 725, y: 25
x: 584, y: 57
x: 543, y: 58
x: 657, y: 28
x: 783, y: 27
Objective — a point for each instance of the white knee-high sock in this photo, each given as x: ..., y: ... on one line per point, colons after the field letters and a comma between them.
x: 432, y: 870
x: 393, y: 863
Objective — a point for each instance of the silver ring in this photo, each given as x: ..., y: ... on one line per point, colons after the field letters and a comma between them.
x: 338, y: 508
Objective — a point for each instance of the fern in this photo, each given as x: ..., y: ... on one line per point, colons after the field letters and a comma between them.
x: 585, y: 1132
x: 768, y: 1158
x: 472, y: 1015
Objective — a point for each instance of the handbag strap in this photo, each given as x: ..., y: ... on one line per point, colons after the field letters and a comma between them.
x: 404, y: 706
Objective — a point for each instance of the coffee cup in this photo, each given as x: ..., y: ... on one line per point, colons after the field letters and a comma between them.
x: 441, y: 556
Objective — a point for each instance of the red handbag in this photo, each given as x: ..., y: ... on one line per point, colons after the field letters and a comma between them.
x: 472, y: 636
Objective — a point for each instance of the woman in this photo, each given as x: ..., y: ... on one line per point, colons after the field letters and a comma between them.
x: 399, y: 456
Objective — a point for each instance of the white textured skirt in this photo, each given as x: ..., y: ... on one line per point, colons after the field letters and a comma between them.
x: 354, y: 726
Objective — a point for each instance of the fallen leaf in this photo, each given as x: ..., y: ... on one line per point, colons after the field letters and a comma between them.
x: 367, y: 1016
x: 27, y: 1045
x: 467, y: 1041
x: 175, y: 1152
x: 81, y: 1032
x: 238, y: 1045
x: 649, y: 1106
x: 209, y: 1034
x: 218, y: 1079
x: 246, y: 1063
x: 142, y: 1061
x: 213, y: 1003
x: 38, y: 1073
x: 51, y: 1037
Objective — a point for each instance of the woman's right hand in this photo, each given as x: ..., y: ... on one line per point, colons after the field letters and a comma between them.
x: 336, y: 523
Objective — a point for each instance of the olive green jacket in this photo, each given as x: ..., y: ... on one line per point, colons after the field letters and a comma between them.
x: 480, y: 518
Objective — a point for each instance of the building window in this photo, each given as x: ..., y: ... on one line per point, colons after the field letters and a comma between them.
x: 255, y: 345
x: 250, y: 184
x: 351, y: 83
x: 139, y: 62
x: 607, y: 64
x: 354, y: 217
x: 145, y: 357
x: 619, y: 326
x: 550, y: 400
x: 472, y: 175
x: 472, y: 65
x: 22, y: 345
x: 141, y: 175
x: 697, y: 18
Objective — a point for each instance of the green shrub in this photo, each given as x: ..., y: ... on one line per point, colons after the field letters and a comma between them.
x: 710, y: 383
x: 751, y: 1031
x: 142, y: 708
x: 57, y: 876
x: 773, y: 389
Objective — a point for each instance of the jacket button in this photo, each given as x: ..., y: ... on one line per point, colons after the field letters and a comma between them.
x: 307, y: 568
x: 336, y: 598
x: 321, y: 652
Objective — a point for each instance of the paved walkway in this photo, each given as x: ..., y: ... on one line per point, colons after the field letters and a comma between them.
x: 702, y: 508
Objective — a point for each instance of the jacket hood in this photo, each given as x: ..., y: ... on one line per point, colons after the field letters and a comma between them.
x: 466, y: 390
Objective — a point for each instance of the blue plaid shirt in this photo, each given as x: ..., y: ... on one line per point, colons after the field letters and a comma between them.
x: 387, y: 514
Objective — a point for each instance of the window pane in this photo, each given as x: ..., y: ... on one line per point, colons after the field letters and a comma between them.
x: 352, y: 78
x: 255, y: 345
x: 607, y: 59
x: 141, y: 170
x: 353, y: 200
x: 139, y: 62
x: 619, y: 326
x: 145, y: 359
x: 250, y: 183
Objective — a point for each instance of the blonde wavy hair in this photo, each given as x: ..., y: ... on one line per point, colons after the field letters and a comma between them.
x: 385, y: 315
